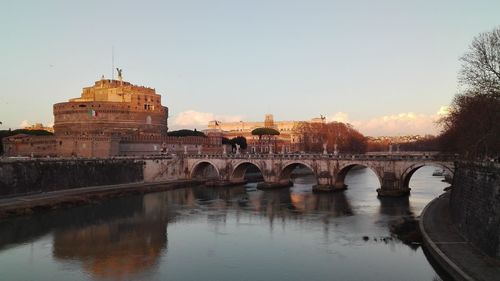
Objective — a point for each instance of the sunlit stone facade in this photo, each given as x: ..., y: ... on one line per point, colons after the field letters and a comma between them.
x: 112, y: 107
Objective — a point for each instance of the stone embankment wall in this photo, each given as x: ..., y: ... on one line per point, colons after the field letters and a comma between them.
x: 41, y: 175
x: 164, y: 169
x: 475, y: 204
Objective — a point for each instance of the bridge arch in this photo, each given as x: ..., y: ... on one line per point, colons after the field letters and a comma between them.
x: 408, y: 172
x: 240, y: 169
x: 287, y: 170
x: 344, y: 170
x: 204, y: 170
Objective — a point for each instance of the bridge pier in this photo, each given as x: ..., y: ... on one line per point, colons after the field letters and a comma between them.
x: 222, y: 183
x: 326, y: 183
x: 274, y: 185
x: 392, y: 187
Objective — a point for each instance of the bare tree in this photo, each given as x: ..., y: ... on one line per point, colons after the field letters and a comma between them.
x: 481, y: 64
x: 314, y: 135
x: 472, y: 127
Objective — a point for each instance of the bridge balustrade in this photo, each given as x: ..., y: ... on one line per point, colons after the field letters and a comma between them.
x: 393, y: 157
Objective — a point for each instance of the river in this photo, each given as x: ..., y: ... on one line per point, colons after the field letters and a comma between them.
x: 236, y: 233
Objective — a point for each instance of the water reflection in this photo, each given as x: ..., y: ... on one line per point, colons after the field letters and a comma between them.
x: 22, y: 230
x: 214, y: 233
x: 283, y: 203
x: 395, y: 206
x: 121, y: 248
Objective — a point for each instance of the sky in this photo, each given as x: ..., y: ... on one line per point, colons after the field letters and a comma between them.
x: 387, y: 67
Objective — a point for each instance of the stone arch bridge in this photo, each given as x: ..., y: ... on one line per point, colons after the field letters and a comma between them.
x: 393, y: 170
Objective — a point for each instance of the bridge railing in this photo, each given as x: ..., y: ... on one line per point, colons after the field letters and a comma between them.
x: 296, y: 156
x: 286, y: 156
x: 56, y: 159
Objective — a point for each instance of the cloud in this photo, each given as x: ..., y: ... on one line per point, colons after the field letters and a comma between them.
x: 339, y: 117
x: 444, y: 110
x: 406, y: 123
x: 25, y: 123
x: 197, y: 119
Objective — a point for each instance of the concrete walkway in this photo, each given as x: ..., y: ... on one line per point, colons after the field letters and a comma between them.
x: 456, y: 256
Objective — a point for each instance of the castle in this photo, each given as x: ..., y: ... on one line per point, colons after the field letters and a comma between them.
x: 110, y: 118
x: 112, y: 107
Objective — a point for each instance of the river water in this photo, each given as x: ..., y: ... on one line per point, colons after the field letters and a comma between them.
x: 236, y: 233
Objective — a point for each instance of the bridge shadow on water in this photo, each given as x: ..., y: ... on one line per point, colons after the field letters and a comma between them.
x: 395, y: 206
x: 285, y: 202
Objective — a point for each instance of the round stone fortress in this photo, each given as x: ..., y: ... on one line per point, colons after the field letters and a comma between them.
x: 111, y: 118
x: 112, y: 107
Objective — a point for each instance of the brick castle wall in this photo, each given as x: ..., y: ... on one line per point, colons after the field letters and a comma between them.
x: 110, y: 118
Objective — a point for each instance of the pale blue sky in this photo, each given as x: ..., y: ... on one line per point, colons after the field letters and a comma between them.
x: 295, y: 59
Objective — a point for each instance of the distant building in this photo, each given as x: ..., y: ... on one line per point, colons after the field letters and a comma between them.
x: 289, y: 140
x: 395, y: 143
x: 398, y: 139
x: 39, y: 127
x: 110, y: 118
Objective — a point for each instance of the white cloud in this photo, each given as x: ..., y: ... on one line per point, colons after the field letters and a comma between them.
x: 396, y: 124
x: 405, y: 123
x: 193, y: 118
x: 444, y: 110
x: 339, y: 117
x: 196, y: 119
x: 25, y: 123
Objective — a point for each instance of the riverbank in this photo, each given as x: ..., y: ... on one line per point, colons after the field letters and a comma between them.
x: 453, y: 253
x: 28, y: 204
